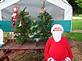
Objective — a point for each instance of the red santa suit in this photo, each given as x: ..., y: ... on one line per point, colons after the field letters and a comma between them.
x: 58, y: 50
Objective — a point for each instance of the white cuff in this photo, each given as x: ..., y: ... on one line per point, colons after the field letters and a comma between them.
x: 67, y: 59
x: 50, y: 59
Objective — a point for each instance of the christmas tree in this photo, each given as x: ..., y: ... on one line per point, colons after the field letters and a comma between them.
x: 27, y: 28
x: 44, y: 23
x: 40, y: 29
x: 22, y: 26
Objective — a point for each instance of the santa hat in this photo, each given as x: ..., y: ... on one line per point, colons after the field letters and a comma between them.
x: 57, y: 25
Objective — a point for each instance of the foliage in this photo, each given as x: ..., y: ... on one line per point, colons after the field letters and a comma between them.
x: 28, y: 29
x: 21, y: 27
x: 79, y: 3
x: 76, y: 8
x: 39, y: 28
x: 44, y: 22
x: 34, y: 32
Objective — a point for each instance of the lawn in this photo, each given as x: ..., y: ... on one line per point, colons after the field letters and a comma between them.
x: 76, y: 24
x: 74, y: 36
x: 77, y: 15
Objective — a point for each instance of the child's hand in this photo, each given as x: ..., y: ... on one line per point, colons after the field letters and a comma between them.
x: 51, y: 59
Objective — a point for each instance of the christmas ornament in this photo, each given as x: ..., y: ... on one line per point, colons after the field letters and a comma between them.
x: 20, y: 24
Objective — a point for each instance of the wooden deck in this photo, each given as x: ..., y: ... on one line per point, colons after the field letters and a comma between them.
x: 10, y: 48
x: 27, y: 45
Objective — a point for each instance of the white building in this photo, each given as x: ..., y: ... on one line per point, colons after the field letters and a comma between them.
x: 59, y: 9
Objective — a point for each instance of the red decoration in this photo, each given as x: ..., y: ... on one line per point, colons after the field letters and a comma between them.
x: 14, y: 16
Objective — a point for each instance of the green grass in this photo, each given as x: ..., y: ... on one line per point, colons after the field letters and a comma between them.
x: 74, y: 36
x: 76, y: 24
x: 78, y: 15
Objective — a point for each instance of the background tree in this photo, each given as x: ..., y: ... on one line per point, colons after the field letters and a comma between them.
x: 76, y: 8
x: 79, y: 3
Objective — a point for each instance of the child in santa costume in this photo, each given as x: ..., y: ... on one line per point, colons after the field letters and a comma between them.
x: 57, y: 47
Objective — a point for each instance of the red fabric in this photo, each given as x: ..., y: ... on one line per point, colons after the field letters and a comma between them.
x: 14, y: 19
x: 57, y: 50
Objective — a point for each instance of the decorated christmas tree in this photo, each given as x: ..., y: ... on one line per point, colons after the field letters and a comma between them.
x: 22, y: 26
x: 27, y: 28
x: 44, y: 23
x: 40, y: 29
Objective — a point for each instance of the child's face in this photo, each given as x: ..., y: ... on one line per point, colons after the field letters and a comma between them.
x: 57, y: 34
x: 57, y: 29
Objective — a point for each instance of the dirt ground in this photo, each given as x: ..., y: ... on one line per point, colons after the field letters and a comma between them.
x: 77, y: 51
x: 31, y: 55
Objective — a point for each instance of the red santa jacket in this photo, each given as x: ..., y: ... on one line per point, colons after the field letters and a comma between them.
x: 57, y: 50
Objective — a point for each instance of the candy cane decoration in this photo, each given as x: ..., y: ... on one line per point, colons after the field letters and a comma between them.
x: 14, y: 16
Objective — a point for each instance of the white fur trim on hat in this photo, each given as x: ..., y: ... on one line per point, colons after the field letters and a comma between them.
x: 57, y: 25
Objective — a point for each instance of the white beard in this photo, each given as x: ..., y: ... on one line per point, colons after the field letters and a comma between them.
x: 57, y: 35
